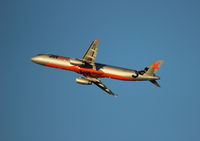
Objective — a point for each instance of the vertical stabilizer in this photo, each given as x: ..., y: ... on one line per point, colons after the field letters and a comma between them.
x: 152, y: 69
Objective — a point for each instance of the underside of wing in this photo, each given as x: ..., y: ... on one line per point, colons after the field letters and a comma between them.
x: 90, y: 55
x: 103, y: 87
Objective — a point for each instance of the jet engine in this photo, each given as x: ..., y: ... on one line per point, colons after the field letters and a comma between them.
x: 83, y: 81
x: 76, y: 62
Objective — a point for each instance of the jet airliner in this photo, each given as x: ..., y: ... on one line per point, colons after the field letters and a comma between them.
x: 93, y: 72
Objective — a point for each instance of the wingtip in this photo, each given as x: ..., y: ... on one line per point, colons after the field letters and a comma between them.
x: 115, y: 95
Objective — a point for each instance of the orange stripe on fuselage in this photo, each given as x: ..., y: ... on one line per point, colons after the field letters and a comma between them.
x: 90, y: 72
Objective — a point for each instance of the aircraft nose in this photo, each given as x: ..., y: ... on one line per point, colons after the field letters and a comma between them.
x: 35, y: 59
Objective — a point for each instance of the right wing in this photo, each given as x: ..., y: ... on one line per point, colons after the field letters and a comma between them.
x: 98, y: 82
x: 103, y: 87
x: 90, y: 55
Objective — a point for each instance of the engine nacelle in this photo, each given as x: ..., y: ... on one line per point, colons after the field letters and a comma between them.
x: 83, y: 81
x: 76, y: 62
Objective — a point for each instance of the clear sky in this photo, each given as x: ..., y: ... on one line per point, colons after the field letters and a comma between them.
x: 39, y: 103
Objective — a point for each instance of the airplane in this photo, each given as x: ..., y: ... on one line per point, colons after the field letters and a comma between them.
x: 93, y: 72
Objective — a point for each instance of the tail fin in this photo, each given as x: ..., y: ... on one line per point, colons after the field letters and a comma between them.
x: 152, y: 69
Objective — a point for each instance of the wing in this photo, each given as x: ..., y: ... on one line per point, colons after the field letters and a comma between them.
x: 103, y: 87
x: 90, y: 55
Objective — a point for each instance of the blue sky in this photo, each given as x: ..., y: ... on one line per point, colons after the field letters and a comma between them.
x: 39, y: 103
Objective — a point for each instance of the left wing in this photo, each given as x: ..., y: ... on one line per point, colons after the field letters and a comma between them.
x: 103, y: 87
x: 90, y: 55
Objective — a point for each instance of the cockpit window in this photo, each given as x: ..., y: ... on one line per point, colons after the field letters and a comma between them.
x: 53, y: 56
x: 58, y: 57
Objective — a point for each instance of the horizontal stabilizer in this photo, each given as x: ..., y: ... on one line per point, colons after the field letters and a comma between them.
x: 155, y: 83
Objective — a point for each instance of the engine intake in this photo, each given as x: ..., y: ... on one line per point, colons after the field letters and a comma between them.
x: 83, y: 81
x: 76, y: 62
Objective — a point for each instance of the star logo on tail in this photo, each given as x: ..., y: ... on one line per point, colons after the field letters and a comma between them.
x: 156, y: 65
